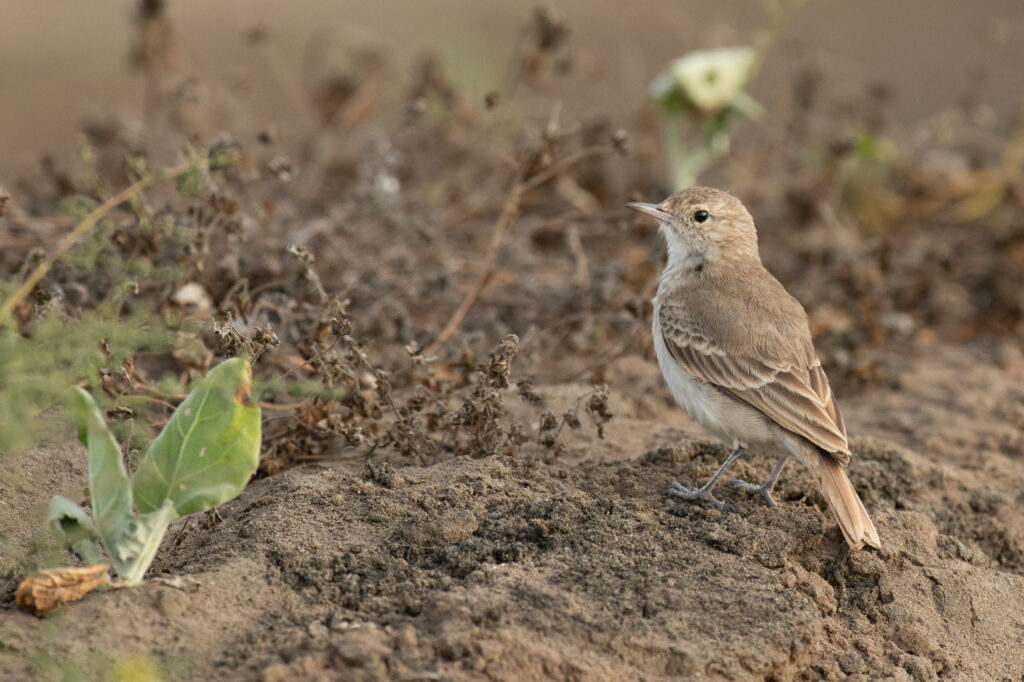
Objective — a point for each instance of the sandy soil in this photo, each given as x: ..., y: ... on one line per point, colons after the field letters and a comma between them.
x: 508, y: 568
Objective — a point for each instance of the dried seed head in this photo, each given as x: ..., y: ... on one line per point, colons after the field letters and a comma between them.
x: 598, y: 409
x: 265, y: 336
x: 341, y: 327
x: 281, y: 167
x: 496, y: 371
x: 528, y: 394
x: 122, y: 412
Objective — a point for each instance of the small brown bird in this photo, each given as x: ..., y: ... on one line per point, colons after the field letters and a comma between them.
x: 736, y: 350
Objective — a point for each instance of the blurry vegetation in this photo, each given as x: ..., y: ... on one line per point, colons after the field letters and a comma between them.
x: 373, y: 263
x: 45, y: 347
x: 151, y: 282
x: 37, y: 371
x: 701, y: 96
x: 865, y: 179
x: 96, y: 666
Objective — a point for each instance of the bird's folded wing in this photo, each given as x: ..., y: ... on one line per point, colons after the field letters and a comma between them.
x: 796, y: 397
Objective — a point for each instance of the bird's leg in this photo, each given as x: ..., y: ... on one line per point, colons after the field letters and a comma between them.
x: 704, y: 492
x: 765, y: 489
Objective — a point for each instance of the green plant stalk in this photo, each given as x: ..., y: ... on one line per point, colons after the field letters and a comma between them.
x: 133, y: 572
x: 684, y: 166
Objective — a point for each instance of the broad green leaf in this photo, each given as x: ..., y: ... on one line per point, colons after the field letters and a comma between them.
x: 110, y: 491
x: 209, y: 448
x: 73, y: 528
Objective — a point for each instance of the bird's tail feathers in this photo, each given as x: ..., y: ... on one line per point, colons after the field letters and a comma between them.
x: 845, y: 503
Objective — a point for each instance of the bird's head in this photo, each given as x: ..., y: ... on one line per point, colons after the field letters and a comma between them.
x: 703, y: 225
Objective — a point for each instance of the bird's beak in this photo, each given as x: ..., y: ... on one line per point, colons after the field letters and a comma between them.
x: 650, y: 209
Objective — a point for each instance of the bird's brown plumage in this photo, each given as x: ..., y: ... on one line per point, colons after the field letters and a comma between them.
x: 784, y: 381
x: 727, y: 322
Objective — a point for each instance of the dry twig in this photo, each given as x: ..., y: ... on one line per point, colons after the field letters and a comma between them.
x: 508, y: 214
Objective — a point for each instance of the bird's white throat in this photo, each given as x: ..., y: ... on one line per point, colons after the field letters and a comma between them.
x: 682, y: 255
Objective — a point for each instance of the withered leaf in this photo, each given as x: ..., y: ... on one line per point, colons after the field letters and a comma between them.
x: 42, y: 592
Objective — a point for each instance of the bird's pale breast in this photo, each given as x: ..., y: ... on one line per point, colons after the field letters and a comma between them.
x: 724, y: 416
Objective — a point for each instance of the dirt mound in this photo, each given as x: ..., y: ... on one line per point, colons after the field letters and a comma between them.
x: 511, y: 568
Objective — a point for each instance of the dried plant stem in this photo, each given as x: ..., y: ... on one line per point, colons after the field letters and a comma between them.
x: 574, y: 375
x: 565, y: 164
x: 281, y: 407
x: 508, y: 214
x: 80, y: 230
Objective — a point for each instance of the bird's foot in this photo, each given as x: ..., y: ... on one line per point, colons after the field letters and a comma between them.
x: 764, y: 490
x: 694, y: 494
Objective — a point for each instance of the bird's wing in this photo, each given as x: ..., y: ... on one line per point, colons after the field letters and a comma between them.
x: 793, y: 394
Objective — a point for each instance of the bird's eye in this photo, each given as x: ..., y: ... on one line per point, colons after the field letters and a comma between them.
x: 701, y: 216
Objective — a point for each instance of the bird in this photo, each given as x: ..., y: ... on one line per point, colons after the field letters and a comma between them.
x: 735, y: 349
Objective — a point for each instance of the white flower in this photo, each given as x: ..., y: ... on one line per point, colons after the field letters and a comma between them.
x: 710, y: 80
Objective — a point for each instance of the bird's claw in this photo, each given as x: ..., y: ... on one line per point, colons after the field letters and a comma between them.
x: 764, y: 490
x: 694, y: 494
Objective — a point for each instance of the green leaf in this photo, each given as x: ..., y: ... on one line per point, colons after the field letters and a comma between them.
x: 209, y: 448
x: 77, y: 206
x: 110, y: 491
x: 73, y: 528
x: 190, y: 182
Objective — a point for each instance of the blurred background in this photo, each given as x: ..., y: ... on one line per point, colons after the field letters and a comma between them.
x: 61, y: 61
